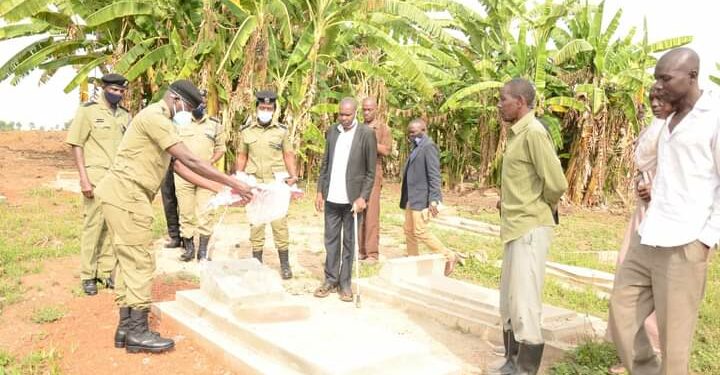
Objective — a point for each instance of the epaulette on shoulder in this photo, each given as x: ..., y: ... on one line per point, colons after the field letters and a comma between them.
x: 123, y: 108
x: 282, y: 126
x: 89, y: 104
x: 216, y: 119
x: 246, y: 126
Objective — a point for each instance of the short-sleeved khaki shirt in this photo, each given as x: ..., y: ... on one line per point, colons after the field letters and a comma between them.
x: 264, y: 147
x: 204, y: 137
x: 98, y: 129
x: 141, y: 161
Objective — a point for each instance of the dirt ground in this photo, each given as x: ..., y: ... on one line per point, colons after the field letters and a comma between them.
x: 29, y: 159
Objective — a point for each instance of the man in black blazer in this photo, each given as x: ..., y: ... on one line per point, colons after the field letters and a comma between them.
x: 421, y: 193
x: 345, y: 182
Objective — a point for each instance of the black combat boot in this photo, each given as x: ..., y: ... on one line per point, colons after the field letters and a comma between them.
x: 529, y: 358
x: 203, y: 248
x: 173, y: 242
x: 90, y: 287
x: 107, y: 281
x: 189, y: 253
x: 140, y: 339
x: 257, y: 254
x: 285, y: 271
x: 122, y: 328
x: 507, y: 367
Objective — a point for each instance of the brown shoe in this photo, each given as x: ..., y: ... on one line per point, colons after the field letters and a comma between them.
x: 346, y: 296
x: 324, y: 290
x: 450, y: 266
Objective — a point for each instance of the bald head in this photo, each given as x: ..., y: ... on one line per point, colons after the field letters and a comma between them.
x: 517, y: 97
x: 416, y: 131
x: 369, y: 109
x: 676, y: 77
x: 419, y: 124
x: 346, y: 112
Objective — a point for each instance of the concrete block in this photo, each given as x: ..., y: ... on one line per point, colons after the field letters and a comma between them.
x: 241, y: 280
x: 411, y: 267
x: 270, y: 312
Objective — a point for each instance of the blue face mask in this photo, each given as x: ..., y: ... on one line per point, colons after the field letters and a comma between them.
x: 112, y: 98
x: 199, y: 112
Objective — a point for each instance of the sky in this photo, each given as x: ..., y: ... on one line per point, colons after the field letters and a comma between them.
x: 47, y: 105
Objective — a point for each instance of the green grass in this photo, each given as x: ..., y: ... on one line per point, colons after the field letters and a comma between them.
x: 47, y: 314
x: 46, y: 226
x: 590, y: 358
x: 40, y: 362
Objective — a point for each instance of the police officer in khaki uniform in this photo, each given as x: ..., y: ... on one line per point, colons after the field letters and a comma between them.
x: 126, y: 194
x: 205, y: 138
x: 94, y: 135
x: 265, y: 150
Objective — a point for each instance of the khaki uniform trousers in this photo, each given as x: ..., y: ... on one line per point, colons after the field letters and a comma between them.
x: 96, y: 255
x: 521, y: 284
x: 280, y: 232
x: 669, y: 280
x: 131, y: 235
x: 369, y: 237
x: 416, y: 231
x: 195, y: 217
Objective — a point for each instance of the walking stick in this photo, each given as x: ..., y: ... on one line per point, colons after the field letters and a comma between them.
x: 356, y: 258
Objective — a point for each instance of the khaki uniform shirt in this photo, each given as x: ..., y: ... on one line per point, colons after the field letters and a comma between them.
x: 532, y: 179
x: 204, y: 137
x: 264, y: 147
x: 98, y: 130
x: 141, y: 161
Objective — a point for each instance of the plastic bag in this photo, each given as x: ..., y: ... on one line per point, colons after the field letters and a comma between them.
x: 270, y: 202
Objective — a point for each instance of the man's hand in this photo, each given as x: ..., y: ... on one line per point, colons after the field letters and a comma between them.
x: 290, y: 181
x: 242, y: 189
x: 86, y: 189
x: 433, y: 209
x: 319, y: 202
x: 644, y: 191
x: 359, y: 205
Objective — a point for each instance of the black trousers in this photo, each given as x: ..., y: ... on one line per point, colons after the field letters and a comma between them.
x: 339, y: 227
x: 170, y: 203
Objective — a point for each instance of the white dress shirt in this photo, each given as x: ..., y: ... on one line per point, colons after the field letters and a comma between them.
x: 337, y: 192
x: 685, y: 201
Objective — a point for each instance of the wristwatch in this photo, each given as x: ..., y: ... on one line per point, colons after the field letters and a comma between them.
x: 434, y: 203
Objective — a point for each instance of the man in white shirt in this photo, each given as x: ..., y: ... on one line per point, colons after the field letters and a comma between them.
x: 666, y: 266
x: 346, y: 180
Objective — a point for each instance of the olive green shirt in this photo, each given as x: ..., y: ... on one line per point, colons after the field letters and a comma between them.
x: 264, y: 147
x: 141, y: 161
x: 98, y: 129
x: 204, y: 137
x: 532, y: 179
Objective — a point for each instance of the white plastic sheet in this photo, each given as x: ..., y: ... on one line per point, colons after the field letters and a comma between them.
x: 270, y: 202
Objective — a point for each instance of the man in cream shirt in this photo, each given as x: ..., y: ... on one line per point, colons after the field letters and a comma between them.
x: 666, y: 266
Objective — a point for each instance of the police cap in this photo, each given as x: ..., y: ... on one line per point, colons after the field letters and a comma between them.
x: 266, y: 96
x: 187, y: 91
x: 115, y: 80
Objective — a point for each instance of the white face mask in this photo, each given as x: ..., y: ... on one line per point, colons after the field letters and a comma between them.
x: 264, y: 116
x: 182, y: 117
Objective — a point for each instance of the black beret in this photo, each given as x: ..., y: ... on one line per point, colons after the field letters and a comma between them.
x: 187, y: 91
x: 114, y: 79
x: 266, y: 96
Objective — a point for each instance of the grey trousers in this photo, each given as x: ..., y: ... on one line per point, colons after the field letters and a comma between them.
x: 521, y: 284
x: 339, y: 228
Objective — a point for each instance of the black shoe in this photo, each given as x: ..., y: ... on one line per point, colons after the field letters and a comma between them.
x: 108, y: 282
x: 89, y: 287
x: 123, y: 327
x: 285, y: 271
x: 173, y: 243
x: 189, y: 253
x: 529, y: 358
x: 202, y: 253
x: 140, y: 339
x: 258, y: 255
x: 511, y: 350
